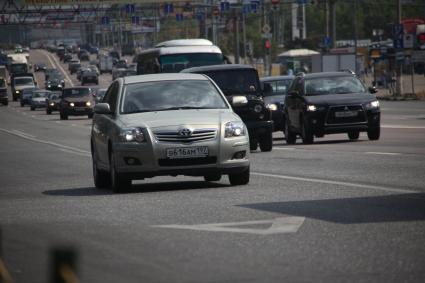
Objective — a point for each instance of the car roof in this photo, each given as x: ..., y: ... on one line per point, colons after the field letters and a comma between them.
x: 326, y: 75
x: 276, y: 78
x: 217, y: 68
x: 163, y: 77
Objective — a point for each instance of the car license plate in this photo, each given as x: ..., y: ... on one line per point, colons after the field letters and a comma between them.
x: 187, y: 152
x: 346, y: 114
x: 79, y: 108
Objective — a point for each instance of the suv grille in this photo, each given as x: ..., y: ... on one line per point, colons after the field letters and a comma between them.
x: 196, y: 136
x: 332, y: 117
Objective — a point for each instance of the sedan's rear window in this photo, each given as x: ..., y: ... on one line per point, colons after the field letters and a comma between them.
x: 171, y: 95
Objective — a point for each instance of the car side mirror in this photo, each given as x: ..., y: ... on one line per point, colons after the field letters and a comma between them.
x: 373, y: 89
x: 267, y: 88
x: 102, y: 108
x: 239, y: 101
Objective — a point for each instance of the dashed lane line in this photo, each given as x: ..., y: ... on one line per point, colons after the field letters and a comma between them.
x: 383, y: 153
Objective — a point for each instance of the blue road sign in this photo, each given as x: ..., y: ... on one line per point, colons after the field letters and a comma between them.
x: 254, y: 6
x: 327, y: 41
x: 168, y: 8
x: 224, y: 6
x: 135, y: 20
x: 105, y: 20
x: 179, y: 17
x: 398, y: 32
x: 130, y: 8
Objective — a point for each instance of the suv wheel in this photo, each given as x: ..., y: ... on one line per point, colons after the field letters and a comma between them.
x: 63, y: 116
x: 48, y: 111
x: 239, y: 178
x: 253, y: 144
x: 101, y: 178
x: 374, y: 133
x: 266, y: 142
x: 353, y: 135
x: 119, y: 183
x: 32, y: 108
x: 306, y: 134
x: 290, y: 136
x: 212, y: 177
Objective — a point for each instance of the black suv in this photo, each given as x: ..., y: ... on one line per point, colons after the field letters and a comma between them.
x: 330, y: 103
x: 242, y: 80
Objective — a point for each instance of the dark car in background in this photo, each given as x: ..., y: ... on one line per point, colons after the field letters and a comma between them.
x: 49, y: 72
x: 89, y: 76
x: 76, y: 101
x: 3, y: 92
x: 53, y: 101
x: 238, y: 81
x: 40, y: 66
x: 27, y: 95
x: 67, y: 57
x: 55, y: 82
x: 328, y: 103
x: 274, y: 98
x: 84, y: 55
x: 73, y: 66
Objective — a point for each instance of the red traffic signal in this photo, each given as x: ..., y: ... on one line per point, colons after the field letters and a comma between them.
x: 421, y: 38
x: 267, y: 44
x: 275, y: 2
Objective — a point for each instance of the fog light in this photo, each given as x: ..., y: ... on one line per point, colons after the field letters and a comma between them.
x: 132, y: 161
x: 239, y: 155
x: 314, y: 121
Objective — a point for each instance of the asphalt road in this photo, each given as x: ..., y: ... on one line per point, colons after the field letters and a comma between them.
x: 333, y: 211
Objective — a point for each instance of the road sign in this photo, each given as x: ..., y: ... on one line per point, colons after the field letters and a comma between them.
x: 224, y: 6
x: 398, y: 36
x: 408, y: 40
x: 266, y: 28
x: 168, y: 8
x: 266, y: 35
x: 418, y: 56
x: 399, y: 56
x: 327, y: 41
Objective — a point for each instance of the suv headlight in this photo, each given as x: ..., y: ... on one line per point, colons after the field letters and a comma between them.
x: 311, y: 108
x: 234, y: 129
x: 372, y: 105
x: 132, y: 135
x: 271, y: 106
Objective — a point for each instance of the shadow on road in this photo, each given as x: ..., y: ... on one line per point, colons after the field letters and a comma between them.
x: 138, y: 188
x: 391, y: 208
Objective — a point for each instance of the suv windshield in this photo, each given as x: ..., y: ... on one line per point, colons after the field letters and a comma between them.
x: 176, y: 62
x: 75, y: 92
x: 18, y: 68
x: 333, y: 85
x: 235, y: 81
x: 24, y: 81
x: 171, y: 95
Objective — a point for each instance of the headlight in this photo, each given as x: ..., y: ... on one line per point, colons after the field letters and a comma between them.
x: 72, y: 104
x: 59, y: 85
x: 372, y: 105
x: 88, y: 103
x: 129, y: 135
x: 272, y: 106
x: 311, y: 108
x: 234, y: 129
x: 49, y: 86
x: 258, y: 108
x: 52, y: 104
x: 17, y: 91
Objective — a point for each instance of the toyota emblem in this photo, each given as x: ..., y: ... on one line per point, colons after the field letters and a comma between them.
x: 185, y: 132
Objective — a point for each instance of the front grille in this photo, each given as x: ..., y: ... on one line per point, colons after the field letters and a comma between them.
x: 196, y: 136
x: 79, y: 104
x: 188, y: 161
x: 359, y: 118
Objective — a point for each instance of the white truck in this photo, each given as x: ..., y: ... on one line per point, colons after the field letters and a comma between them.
x: 105, y: 63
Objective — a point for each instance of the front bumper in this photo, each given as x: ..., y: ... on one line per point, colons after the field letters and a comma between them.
x: 77, y: 111
x: 151, y: 158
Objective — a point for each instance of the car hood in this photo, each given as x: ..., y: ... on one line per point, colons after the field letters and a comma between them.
x: 77, y: 99
x: 21, y: 87
x: 274, y: 99
x: 39, y: 99
x: 340, y: 99
x: 211, y: 117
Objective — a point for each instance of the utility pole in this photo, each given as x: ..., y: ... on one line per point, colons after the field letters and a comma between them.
x: 398, y: 90
x: 355, y: 37
x: 236, y: 27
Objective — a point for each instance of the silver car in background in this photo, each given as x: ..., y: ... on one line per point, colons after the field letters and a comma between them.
x: 167, y: 124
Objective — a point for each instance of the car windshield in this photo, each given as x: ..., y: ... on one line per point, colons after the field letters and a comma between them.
x: 279, y: 87
x: 2, y: 83
x: 171, y: 95
x: 176, y: 62
x: 23, y: 81
x: 333, y: 85
x: 75, y: 92
x: 19, y: 68
x: 235, y: 81
x: 39, y: 94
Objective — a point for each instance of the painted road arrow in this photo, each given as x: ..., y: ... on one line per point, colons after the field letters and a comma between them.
x: 281, y: 225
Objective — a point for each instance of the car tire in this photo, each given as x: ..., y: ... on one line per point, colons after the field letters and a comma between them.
x: 353, y: 135
x: 306, y: 134
x: 101, y: 178
x: 90, y: 116
x: 266, y: 142
x: 48, y: 111
x: 290, y: 136
x: 253, y: 144
x: 22, y: 104
x: 374, y: 133
x: 119, y: 183
x: 5, y: 103
x: 32, y: 108
x: 212, y: 177
x: 63, y: 116
x: 15, y: 98
x: 238, y: 179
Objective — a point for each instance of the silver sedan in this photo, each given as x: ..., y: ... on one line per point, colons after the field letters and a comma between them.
x: 167, y: 124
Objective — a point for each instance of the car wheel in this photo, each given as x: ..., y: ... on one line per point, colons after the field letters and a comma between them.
x: 119, y: 183
x: 5, y: 103
x: 253, y: 144
x: 22, y: 104
x: 63, y: 116
x: 266, y: 142
x: 32, y: 108
x: 239, y: 178
x: 306, y: 134
x: 290, y: 136
x: 353, y: 135
x: 15, y: 98
x: 48, y: 111
x: 374, y: 133
x: 101, y: 178
x: 212, y: 177
x: 90, y: 116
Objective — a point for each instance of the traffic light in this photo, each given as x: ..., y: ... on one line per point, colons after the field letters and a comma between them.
x: 267, y: 45
x: 421, y: 38
x: 275, y: 4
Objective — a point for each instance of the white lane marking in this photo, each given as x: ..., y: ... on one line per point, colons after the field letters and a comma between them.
x: 22, y: 133
x: 58, y: 145
x: 339, y: 183
x: 284, y: 148
x: 281, y: 225
x: 383, y: 153
x: 75, y: 152
x: 402, y: 127
x: 59, y: 66
x: 59, y: 122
